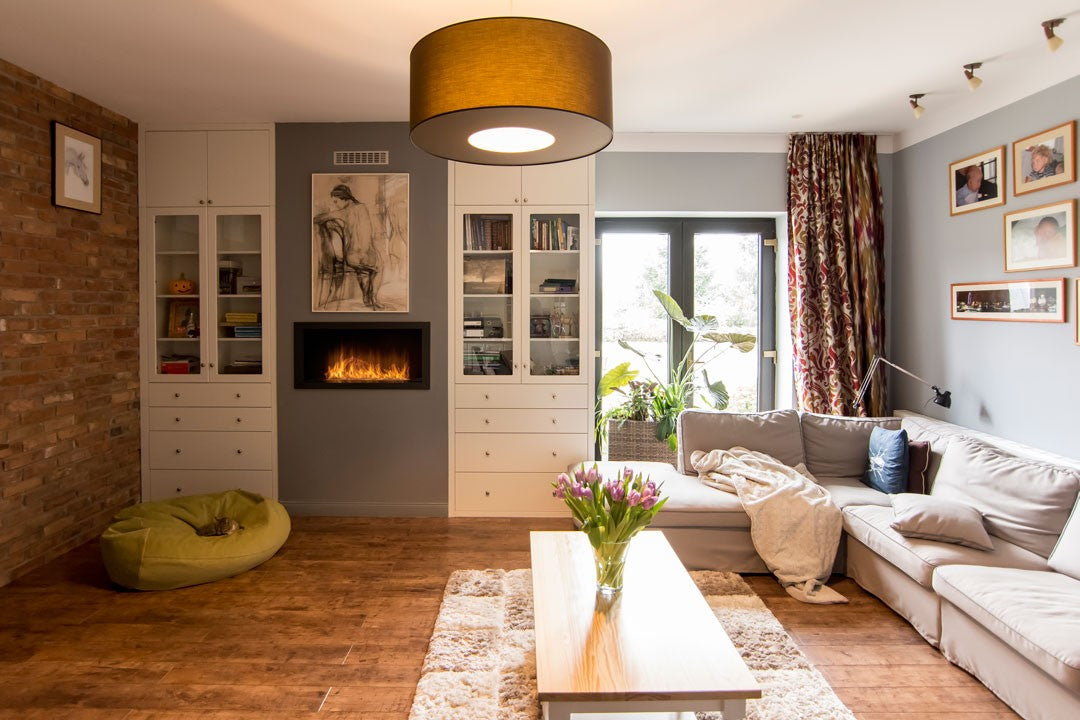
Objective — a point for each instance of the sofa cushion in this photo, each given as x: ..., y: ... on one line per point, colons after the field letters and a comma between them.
x: 887, y: 469
x: 932, y: 518
x: 1025, y: 502
x: 690, y: 503
x: 1066, y: 555
x: 851, y: 491
x: 839, y: 446
x: 774, y: 433
x: 1033, y: 612
x: 870, y: 525
x: 918, y: 465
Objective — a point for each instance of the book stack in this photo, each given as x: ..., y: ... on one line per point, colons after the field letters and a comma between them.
x: 179, y: 365
x: 243, y: 324
x: 485, y: 361
x: 244, y: 367
x: 558, y: 285
x: 487, y: 232
x: 553, y: 234
x: 474, y: 327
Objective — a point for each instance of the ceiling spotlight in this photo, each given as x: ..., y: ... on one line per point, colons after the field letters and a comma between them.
x: 1052, y: 41
x: 915, y: 106
x: 969, y: 73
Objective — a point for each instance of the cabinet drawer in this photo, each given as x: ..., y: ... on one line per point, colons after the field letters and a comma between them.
x: 506, y: 494
x: 555, y: 420
x: 491, y: 452
x: 521, y: 396
x: 211, y: 418
x: 165, y: 484
x: 209, y: 395
x: 210, y: 451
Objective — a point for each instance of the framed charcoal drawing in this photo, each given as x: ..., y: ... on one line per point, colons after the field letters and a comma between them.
x: 360, y: 242
x: 1010, y: 300
x: 1041, y: 237
x: 76, y: 169
x: 975, y: 182
x: 1045, y: 159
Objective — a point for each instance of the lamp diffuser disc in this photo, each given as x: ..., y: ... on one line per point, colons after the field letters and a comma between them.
x: 1054, y: 42
x: 510, y: 72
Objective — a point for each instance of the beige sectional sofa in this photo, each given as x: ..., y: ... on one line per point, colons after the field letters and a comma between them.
x: 1010, y: 615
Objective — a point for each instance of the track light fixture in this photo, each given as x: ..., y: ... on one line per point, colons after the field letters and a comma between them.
x: 915, y: 106
x: 969, y: 73
x: 1052, y: 41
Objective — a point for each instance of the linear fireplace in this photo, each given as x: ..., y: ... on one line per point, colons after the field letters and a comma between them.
x: 362, y: 355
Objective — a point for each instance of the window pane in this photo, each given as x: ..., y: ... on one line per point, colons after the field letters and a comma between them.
x: 726, y: 285
x: 632, y: 266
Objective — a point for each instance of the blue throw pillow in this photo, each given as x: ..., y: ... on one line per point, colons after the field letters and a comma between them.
x: 888, y: 471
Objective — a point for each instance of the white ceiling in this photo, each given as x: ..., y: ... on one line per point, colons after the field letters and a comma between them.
x: 690, y: 66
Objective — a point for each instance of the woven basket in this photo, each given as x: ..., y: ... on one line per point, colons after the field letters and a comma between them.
x: 636, y: 440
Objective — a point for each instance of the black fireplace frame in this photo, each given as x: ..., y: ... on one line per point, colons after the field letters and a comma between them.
x: 300, y: 382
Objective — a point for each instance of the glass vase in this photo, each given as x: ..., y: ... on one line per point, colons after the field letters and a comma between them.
x: 610, y: 563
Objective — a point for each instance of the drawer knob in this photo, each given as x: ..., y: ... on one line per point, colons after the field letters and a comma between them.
x: 177, y: 451
x: 487, y: 493
x: 554, y: 453
x: 554, y: 421
x: 486, y: 452
x: 176, y: 395
x: 239, y: 419
x: 237, y: 396
x: 554, y: 396
x: 515, y: 200
x: 486, y: 421
x: 239, y: 451
x: 176, y: 419
x: 179, y: 490
x: 486, y: 396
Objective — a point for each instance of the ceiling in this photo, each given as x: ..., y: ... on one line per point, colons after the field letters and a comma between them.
x: 681, y: 66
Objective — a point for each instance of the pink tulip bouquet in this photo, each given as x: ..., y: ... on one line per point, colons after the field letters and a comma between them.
x: 611, y: 512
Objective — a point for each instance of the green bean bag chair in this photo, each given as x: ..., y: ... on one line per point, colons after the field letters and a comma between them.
x: 154, y: 545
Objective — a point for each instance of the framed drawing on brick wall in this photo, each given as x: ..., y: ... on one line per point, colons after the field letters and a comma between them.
x: 76, y: 169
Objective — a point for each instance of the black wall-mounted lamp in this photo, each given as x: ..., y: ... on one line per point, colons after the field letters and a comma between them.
x: 944, y: 399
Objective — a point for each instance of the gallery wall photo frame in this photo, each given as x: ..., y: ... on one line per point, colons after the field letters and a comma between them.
x: 1045, y: 159
x: 1041, y: 238
x: 1009, y: 300
x: 977, y: 182
x: 76, y: 169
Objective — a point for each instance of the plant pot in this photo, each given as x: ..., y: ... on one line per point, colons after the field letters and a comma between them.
x: 636, y: 440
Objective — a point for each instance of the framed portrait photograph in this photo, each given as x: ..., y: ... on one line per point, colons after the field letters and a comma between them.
x: 1045, y: 159
x: 975, y: 182
x: 1010, y: 300
x: 1041, y: 237
x: 360, y: 242
x: 76, y: 169
x: 183, y: 319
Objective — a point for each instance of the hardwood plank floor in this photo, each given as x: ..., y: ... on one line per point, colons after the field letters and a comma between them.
x: 337, y: 625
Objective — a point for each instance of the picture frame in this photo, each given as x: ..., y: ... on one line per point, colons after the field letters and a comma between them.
x: 485, y: 276
x: 1009, y: 301
x: 1041, y: 238
x: 1045, y: 159
x: 76, y: 169
x: 986, y: 171
x: 539, y: 326
x: 360, y: 242
x: 183, y: 321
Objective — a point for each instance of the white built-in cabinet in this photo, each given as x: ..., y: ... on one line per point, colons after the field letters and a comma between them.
x: 208, y: 399
x: 521, y: 303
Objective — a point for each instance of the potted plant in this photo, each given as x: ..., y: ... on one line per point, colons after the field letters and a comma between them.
x: 658, y: 402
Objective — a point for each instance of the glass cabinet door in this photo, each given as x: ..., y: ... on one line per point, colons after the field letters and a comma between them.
x: 554, y: 271
x: 239, y: 265
x: 486, y: 274
x: 179, y: 299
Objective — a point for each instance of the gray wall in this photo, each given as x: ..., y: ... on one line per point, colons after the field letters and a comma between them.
x: 1017, y: 380
x: 361, y: 452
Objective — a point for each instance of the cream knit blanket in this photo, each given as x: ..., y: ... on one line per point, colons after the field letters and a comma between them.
x: 794, y: 524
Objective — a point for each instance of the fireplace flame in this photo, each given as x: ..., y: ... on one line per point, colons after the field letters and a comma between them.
x: 347, y: 365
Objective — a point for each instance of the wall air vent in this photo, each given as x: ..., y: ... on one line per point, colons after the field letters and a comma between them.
x: 361, y: 157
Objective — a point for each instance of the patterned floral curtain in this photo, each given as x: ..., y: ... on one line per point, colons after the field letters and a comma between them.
x: 836, y: 270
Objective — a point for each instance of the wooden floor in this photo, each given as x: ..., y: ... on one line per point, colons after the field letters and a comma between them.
x: 337, y: 624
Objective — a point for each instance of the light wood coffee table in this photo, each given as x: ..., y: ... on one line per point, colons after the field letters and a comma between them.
x: 655, y: 648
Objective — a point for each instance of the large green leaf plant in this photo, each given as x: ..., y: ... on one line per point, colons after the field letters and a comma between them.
x: 660, y: 400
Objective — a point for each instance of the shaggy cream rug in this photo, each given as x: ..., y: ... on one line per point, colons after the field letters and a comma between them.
x: 480, y: 663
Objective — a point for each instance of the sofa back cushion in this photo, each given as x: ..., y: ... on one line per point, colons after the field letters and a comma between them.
x: 840, y: 446
x: 1025, y: 502
x: 774, y: 433
x: 1066, y: 556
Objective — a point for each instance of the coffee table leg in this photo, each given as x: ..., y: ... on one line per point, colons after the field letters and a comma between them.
x: 734, y: 709
x: 556, y: 711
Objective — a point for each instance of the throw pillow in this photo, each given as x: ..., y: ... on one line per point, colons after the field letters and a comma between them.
x: 931, y: 518
x: 888, y: 471
x: 918, y: 465
x: 1066, y: 556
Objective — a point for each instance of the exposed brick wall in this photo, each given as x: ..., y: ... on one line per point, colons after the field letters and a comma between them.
x: 69, y: 316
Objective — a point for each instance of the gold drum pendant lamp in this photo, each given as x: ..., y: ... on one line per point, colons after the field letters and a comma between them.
x: 510, y: 91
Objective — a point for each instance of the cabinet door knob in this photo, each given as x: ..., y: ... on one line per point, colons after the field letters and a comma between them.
x: 179, y: 490
x: 515, y: 199
x: 211, y: 364
x: 177, y: 451
x: 209, y: 202
x: 525, y: 200
x: 486, y: 452
x: 239, y: 451
x: 202, y: 364
x: 202, y: 202
x: 176, y: 395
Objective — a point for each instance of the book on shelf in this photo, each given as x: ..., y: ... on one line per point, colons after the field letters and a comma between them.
x: 487, y: 232
x: 236, y: 318
x: 474, y: 332
x: 554, y: 234
x: 558, y: 285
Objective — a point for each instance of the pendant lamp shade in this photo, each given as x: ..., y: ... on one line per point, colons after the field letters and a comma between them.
x: 511, y: 75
